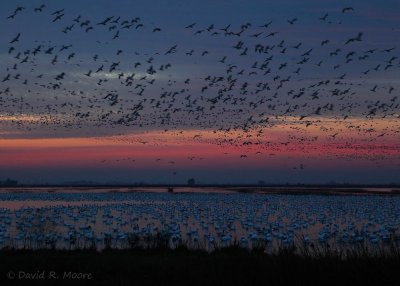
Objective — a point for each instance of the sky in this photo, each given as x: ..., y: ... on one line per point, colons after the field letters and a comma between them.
x: 219, y: 91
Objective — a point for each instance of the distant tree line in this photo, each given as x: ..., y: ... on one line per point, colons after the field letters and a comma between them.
x: 8, y: 183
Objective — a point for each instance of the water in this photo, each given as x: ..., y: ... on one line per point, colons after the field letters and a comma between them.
x: 198, y: 217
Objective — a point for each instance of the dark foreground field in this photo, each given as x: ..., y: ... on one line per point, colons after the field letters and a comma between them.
x: 230, y: 266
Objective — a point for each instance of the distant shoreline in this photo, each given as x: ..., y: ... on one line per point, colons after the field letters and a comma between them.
x: 249, y: 189
x: 199, y: 185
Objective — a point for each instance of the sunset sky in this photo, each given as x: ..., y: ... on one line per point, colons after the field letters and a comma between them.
x: 220, y: 91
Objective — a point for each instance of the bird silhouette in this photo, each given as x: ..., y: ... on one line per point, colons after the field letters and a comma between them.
x: 16, y: 39
x: 347, y: 9
x: 355, y: 39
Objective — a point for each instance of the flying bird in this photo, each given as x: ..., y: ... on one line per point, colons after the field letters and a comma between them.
x: 16, y: 39
x: 347, y: 9
x: 355, y: 39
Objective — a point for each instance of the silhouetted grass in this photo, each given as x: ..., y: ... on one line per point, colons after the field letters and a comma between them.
x: 157, y: 264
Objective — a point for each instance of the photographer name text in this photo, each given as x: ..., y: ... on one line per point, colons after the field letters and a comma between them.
x: 48, y: 275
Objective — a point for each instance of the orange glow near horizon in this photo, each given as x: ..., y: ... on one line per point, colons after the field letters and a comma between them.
x: 202, y: 148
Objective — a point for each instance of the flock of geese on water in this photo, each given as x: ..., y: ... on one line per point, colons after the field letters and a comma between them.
x: 201, y: 220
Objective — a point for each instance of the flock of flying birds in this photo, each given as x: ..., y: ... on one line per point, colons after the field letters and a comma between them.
x: 249, y: 77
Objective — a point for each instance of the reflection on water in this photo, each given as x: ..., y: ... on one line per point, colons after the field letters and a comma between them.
x: 209, y: 217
